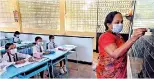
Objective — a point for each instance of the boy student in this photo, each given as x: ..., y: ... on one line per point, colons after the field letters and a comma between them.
x: 52, y: 45
x: 12, y: 55
x: 38, y: 48
x: 16, y: 38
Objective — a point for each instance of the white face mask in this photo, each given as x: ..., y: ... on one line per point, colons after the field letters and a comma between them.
x: 13, y: 51
x: 117, y: 28
x: 40, y: 43
x: 52, y: 40
x: 17, y: 36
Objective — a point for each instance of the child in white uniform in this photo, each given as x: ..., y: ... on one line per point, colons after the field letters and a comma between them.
x: 12, y: 55
x: 16, y: 38
x: 52, y: 45
x: 38, y: 48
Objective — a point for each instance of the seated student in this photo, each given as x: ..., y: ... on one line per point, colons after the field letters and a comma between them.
x: 38, y: 48
x: 16, y: 38
x: 12, y: 55
x: 52, y: 45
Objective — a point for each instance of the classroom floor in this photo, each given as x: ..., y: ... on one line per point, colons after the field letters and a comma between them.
x: 84, y: 70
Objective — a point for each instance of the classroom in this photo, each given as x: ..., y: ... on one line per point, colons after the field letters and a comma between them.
x: 76, y: 39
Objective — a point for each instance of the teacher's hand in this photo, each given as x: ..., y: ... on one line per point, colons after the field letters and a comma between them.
x: 137, y: 33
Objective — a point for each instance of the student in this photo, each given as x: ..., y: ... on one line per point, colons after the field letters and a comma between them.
x: 52, y: 45
x: 12, y: 55
x: 38, y: 48
x: 16, y: 38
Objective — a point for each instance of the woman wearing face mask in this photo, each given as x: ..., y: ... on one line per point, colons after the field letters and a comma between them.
x: 112, y: 48
x: 52, y: 45
x: 16, y: 38
x: 12, y: 55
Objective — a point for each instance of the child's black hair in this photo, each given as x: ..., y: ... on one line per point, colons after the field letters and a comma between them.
x: 16, y: 33
x: 8, y: 45
x: 37, y: 38
x: 51, y: 36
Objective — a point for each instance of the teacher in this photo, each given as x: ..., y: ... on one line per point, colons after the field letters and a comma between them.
x: 112, y: 48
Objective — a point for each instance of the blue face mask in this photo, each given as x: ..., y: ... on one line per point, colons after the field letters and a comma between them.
x: 117, y: 28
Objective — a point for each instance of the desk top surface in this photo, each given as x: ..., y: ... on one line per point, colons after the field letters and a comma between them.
x: 13, y: 71
x: 59, y: 53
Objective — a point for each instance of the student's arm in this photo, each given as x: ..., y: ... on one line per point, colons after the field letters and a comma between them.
x: 26, y: 56
x: 34, y: 50
x: 5, y: 57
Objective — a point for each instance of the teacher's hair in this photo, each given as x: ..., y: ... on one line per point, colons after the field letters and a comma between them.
x: 109, y: 19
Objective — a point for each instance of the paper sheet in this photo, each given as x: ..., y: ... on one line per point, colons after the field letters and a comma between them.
x: 24, y: 64
x: 69, y: 47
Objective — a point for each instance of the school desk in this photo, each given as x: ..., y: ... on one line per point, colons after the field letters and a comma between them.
x: 59, y: 56
x: 50, y: 61
x: 12, y: 71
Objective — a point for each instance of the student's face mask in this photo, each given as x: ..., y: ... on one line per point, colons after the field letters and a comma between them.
x: 52, y: 40
x: 13, y: 51
x: 17, y: 36
x: 40, y: 43
x: 117, y: 28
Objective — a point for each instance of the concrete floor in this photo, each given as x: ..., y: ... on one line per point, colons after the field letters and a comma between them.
x: 81, y: 70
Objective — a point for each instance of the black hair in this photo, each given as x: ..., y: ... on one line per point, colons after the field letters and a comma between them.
x: 8, y: 45
x: 51, y: 36
x: 109, y: 18
x: 37, y: 38
x: 16, y: 33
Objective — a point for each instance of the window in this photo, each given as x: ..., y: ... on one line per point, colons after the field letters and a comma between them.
x: 144, y: 14
x: 81, y: 15
x: 40, y: 14
x: 106, y: 6
x: 6, y: 14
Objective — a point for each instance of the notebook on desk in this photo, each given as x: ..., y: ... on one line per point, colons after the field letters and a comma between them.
x: 23, y: 64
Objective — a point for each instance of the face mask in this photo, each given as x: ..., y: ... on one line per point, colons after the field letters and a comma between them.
x: 17, y: 36
x: 52, y: 40
x: 117, y: 28
x: 13, y: 51
x: 40, y: 43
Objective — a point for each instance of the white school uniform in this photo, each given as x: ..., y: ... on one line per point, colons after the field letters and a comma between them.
x: 51, y: 45
x: 37, y: 48
x: 14, y: 56
x: 16, y: 39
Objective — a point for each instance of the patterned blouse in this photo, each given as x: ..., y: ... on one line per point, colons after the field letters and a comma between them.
x: 109, y: 67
